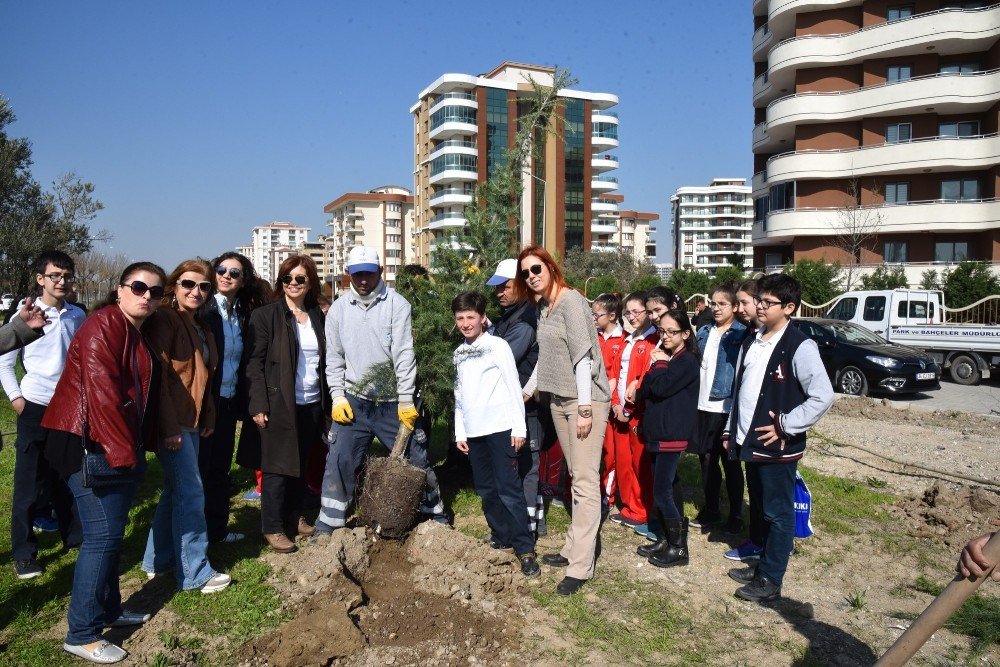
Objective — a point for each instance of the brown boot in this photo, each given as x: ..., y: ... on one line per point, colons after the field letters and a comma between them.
x: 305, y: 530
x: 280, y: 543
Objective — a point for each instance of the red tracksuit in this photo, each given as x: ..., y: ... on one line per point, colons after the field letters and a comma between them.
x: 611, y: 350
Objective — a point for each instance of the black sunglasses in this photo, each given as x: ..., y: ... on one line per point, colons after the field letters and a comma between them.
x: 205, y: 286
x: 233, y: 273
x: 536, y: 269
x: 140, y: 288
x: 299, y: 280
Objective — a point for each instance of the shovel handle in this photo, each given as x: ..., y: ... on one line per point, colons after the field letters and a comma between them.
x: 399, y: 445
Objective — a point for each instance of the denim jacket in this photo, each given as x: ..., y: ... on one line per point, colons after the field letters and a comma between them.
x: 729, y: 352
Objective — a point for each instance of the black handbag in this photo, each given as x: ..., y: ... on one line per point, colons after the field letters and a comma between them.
x: 95, y: 469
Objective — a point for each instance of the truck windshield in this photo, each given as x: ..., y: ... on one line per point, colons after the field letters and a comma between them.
x: 852, y: 333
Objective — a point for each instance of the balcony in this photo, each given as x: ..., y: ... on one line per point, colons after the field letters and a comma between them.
x: 760, y: 42
x: 604, y: 139
x: 942, y: 93
x: 758, y: 183
x: 601, y: 227
x: 450, y: 242
x: 454, y: 146
x: 946, y: 31
x: 923, y: 216
x: 452, y: 100
x: 451, y: 197
x: 447, y: 220
x: 781, y: 13
x: 598, y: 205
x: 355, y: 229
x: 603, y: 183
x: 604, y: 247
x: 602, y: 163
x: 919, y: 155
x: 451, y: 119
x: 355, y: 213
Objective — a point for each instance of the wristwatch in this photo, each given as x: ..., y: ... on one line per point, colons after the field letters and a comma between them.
x: 585, y: 412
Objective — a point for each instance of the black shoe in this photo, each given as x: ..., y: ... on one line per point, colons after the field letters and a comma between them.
x: 648, y: 549
x: 569, y: 585
x: 27, y: 569
x: 529, y: 566
x: 676, y: 552
x: 499, y: 545
x: 706, y: 519
x: 735, y: 525
x: 743, y: 575
x: 761, y: 589
x: 555, y: 560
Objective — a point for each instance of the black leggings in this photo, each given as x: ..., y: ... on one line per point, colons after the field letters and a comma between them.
x: 714, y: 462
x: 667, y: 485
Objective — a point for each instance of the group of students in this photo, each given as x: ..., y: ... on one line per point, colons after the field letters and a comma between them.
x: 740, y: 392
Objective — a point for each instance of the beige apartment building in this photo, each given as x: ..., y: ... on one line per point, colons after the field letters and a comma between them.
x: 892, y: 105
x: 712, y: 225
x: 462, y: 124
x: 273, y: 243
x: 381, y: 218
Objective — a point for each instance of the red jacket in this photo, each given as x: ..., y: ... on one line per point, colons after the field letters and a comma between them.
x: 638, y: 363
x: 611, y: 350
x: 99, y: 371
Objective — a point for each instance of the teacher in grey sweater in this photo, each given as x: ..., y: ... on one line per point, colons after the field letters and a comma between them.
x: 570, y: 369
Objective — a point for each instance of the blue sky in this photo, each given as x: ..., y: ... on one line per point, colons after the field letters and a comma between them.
x: 198, y: 120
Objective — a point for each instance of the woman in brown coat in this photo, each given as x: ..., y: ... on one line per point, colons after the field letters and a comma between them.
x: 178, y: 539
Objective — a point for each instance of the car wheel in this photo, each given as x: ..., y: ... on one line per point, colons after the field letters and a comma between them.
x: 852, y: 381
x: 965, y: 370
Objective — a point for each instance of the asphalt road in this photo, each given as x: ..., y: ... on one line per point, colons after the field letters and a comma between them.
x: 983, y: 399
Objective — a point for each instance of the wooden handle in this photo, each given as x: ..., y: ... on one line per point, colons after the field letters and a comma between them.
x: 938, y: 611
x: 399, y: 446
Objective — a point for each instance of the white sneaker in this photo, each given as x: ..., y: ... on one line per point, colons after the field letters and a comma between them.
x: 104, y: 653
x: 217, y: 583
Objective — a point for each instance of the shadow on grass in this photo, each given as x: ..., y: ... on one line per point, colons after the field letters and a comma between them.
x: 826, y: 642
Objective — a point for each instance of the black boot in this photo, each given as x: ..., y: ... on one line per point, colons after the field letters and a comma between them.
x: 658, y: 547
x: 676, y: 552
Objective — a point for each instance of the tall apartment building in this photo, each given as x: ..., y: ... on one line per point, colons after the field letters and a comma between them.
x: 273, y: 243
x: 320, y: 251
x: 463, y: 123
x: 614, y: 229
x: 381, y: 218
x: 712, y: 225
x: 890, y: 105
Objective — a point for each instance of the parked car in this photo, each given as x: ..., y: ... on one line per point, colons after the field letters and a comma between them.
x: 859, y: 361
x: 6, y: 301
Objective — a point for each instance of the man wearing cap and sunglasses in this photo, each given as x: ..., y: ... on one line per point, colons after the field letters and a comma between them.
x: 369, y: 324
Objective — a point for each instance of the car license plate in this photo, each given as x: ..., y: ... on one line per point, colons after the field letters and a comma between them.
x: 925, y: 376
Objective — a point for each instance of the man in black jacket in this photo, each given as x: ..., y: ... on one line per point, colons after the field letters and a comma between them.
x: 516, y: 326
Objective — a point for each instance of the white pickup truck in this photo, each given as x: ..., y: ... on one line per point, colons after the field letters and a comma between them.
x: 916, y: 318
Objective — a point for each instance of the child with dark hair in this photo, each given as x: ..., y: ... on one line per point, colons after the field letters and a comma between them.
x: 659, y: 300
x: 490, y: 427
x: 669, y: 392
x: 781, y: 390
x: 611, y: 336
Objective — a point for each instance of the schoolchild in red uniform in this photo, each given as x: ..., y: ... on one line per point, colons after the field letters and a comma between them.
x: 611, y: 336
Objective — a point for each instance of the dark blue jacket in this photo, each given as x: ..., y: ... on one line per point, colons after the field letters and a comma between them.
x: 670, y: 392
x: 516, y: 327
x: 725, y: 363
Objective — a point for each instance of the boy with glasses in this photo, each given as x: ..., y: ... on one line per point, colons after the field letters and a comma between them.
x: 36, y: 485
x: 781, y: 390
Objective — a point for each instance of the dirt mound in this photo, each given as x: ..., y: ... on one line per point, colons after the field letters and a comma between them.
x: 390, y: 498
x: 952, y: 514
x: 440, y: 598
x: 883, y: 411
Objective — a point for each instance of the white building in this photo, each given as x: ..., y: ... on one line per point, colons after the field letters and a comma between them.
x: 713, y: 225
x: 273, y: 243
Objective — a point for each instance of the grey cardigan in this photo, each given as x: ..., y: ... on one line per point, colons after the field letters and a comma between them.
x: 566, y: 335
x: 16, y: 334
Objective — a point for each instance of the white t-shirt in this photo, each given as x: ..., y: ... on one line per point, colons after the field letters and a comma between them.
x: 709, y: 361
x: 630, y: 342
x: 754, y: 369
x: 307, y: 368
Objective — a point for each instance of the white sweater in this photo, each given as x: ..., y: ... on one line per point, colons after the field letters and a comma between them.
x: 487, y: 390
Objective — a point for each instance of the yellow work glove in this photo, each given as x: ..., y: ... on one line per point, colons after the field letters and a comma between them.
x: 407, y: 415
x: 341, y: 412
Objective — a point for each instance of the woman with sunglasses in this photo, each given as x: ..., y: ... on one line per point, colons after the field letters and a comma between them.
x: 286, y: 377
x: 108, y: 389
x: 237, y: 293
x: 570, y: 369
x: 178, y: 539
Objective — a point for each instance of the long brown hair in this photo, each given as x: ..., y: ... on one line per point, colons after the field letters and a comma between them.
x: 307, y: 263
x: 521, y: 290
x: 196, y: 265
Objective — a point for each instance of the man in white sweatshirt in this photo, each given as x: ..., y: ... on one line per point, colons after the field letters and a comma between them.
x: 490, y: 427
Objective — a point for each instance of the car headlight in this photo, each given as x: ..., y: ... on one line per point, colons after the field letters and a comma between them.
x: 887, y: 362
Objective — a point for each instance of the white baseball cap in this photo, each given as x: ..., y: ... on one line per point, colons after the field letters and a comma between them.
x: 362, y: 258
x: 506, y: 270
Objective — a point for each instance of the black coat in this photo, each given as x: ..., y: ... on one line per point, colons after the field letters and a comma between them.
x: 670, y: 392
x: 213, y: 320
x: 270, y: 377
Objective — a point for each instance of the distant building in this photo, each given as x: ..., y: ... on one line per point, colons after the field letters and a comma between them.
x: 663, y: 271
x: 245, y: 250
x: 637, y: 233
x: 273, y: 243
x: 320, y: 251
x: 713, y: 225
x: 381, y: 218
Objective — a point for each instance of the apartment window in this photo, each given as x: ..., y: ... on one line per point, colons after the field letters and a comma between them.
x: 960, y: 68
x: 898, y: 73
x: 960, y: 189
x: 897, y: 193
x: 962, y: 128
x: 772, y: 259
x: 393, y: 253
x: 951, y: 251
x: 899, y: 13
x: 782, y: 196
x: 393, y: 238
x: 896, y: 133
x: 894, y: 252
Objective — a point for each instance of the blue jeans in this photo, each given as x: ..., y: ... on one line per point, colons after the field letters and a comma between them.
x: 495, y: 473
x: 774, y: 485
x: 179, y: 537
x: 96, y: 600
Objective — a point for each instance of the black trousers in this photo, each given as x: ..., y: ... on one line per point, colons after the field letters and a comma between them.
x: 715, y: 461
x: 215, y: 459
x: 281, y: 495
x: 34, y: 478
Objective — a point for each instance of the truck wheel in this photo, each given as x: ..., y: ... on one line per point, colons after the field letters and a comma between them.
x: 965, y: 370
x: 852, y: 381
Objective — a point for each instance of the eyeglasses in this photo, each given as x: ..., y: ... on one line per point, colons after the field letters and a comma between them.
x: 536, y: 269
x: 672, y: 332
x: 299, y: 280
x: 57, y: 277
x: 140, y: 288
x: 766, y: 303
x: 720, y: 306
x: 634, y: 313
x: 205, y: 286
x: 233, y: 273
x: 598, y: 316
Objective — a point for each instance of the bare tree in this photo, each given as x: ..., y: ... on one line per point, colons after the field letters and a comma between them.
x: 97, y: 274
x: 858, y: 224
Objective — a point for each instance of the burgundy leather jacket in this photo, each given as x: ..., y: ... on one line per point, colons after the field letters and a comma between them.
x: 99, y: 385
